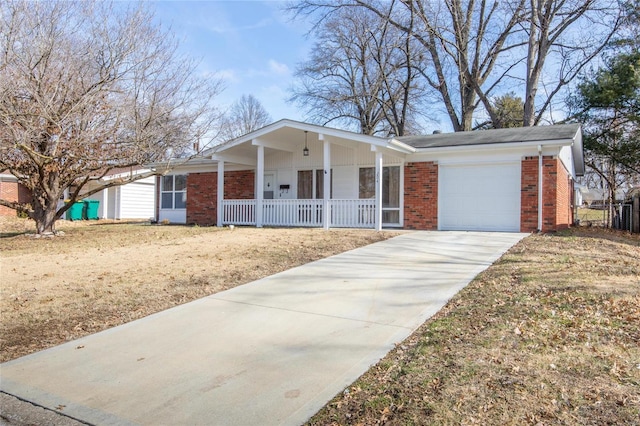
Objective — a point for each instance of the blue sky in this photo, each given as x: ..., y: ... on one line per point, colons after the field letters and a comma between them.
x: 253, y: 45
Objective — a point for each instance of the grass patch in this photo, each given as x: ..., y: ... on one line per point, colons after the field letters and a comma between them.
x: 550, y: 334
x: 102, y: 274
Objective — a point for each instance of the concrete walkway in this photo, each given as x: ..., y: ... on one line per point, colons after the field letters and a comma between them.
x: 270, y: 352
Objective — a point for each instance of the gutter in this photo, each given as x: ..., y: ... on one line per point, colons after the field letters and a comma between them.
x: 540, y: 188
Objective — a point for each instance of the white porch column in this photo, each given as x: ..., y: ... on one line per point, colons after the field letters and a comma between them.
x: 326, y: 184
x: 378, y: 190
x: 259, y: 190
x: 219, y: 208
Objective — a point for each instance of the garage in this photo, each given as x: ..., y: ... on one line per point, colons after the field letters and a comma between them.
x: 483, y: 197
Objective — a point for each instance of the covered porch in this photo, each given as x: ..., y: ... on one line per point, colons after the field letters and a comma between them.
x: 294, y: 162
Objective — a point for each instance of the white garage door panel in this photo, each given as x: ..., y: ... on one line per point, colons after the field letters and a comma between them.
x: 479, y: 198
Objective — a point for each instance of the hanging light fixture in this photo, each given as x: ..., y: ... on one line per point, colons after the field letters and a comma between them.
x: 305, y: 151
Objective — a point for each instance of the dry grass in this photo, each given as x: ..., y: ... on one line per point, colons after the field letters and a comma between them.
x: 102, y: 274
x: 550, y: 334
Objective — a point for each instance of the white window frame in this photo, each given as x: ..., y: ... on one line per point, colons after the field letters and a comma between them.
x: 174, y: 193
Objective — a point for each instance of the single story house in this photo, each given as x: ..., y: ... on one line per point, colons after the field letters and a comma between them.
x: 298, y: 174
x: 133, y: 200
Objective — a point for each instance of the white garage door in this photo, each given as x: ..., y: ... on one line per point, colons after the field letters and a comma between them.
x: 479, y: 198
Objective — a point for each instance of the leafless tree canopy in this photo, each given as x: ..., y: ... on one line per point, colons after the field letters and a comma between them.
x: 88, y: 87
x: 246, y: 115
x: 479, y: 49
x: 363, y: 73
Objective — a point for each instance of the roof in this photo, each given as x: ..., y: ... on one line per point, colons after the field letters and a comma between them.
x: 286, y: 125
x: 494, y: 136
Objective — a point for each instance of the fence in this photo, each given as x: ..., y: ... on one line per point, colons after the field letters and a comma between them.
x: 359, y: 213
x: 625, y: 217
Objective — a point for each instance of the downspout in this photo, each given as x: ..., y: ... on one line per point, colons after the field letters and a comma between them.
x: 540, y: 189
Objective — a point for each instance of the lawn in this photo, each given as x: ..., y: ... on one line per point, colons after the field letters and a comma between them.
x: 102, y: 274
x: 550, y: 334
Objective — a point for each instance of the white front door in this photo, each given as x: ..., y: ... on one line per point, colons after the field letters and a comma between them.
x: 269, y: 186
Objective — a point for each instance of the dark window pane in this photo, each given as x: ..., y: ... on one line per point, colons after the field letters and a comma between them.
x: 319, y: 184
x: 181, y: 200
x: 167, y: 200
x: 305, y: 184
x: 390, y: 216
x: 367, y: 181
x: 391, y: 187
x: 167, y: 183
x: 181, y: 183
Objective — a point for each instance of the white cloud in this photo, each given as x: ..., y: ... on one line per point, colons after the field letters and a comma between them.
x: 278, y: 68
x: 228, y: 75
x: 227, y: 27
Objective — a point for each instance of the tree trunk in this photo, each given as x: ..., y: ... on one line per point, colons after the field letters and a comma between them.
x: 45, y: 211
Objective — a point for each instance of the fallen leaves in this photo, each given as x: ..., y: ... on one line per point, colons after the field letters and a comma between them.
x: 547, y: 335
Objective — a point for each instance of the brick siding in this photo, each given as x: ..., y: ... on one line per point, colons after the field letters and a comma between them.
x: 13, y: 191
x: 557, y: 190
x: 421, y: 195
x: 202, y: 193
x: 529, y: 195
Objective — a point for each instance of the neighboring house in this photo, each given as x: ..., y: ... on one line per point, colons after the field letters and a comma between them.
x: 597, y: 196
x: 11, y: 190
x: 134, y: 200
x: 483, y: 180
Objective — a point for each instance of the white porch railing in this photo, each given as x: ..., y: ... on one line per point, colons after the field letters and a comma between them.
x: 344, y: 213
x: 353, y: 213
x: 292, y: 212
x: 238, y: 212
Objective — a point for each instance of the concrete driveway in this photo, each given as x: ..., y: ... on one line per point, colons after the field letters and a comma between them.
x: 270, y: 352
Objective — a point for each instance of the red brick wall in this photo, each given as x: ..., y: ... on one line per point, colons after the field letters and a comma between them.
x: 529, y: 195
x: 13, y: 191
x: 557, y: 189
x: 202, y: 193
x: 549, y: 193
x: 202, y: 198
x: 421, y: 195
x: 239, y: 185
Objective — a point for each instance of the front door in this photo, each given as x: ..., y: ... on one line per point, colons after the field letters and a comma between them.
x: 269, y: 185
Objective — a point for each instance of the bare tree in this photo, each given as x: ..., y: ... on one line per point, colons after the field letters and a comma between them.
x: 478, y: 48
x: 569, y: 34
x: 246, y: 115
x: 88, y: 87
x: 363, y: 74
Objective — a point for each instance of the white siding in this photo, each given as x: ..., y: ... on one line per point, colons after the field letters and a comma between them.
x: 173, y: 216
x: 345, y: 183
x: 111, y: 203
x: 137, y: 200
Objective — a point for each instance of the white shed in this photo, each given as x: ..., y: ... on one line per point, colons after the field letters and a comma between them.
x: 134, y: 200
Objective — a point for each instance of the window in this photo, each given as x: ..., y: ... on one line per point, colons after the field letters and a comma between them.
x: 305, y: 184
x: 306, y: 180
x: 174, y: 192
x: 390, y: 190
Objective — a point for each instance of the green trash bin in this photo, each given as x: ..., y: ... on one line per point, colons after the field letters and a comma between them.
x: 76, y: 211
x: 92, y: 209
